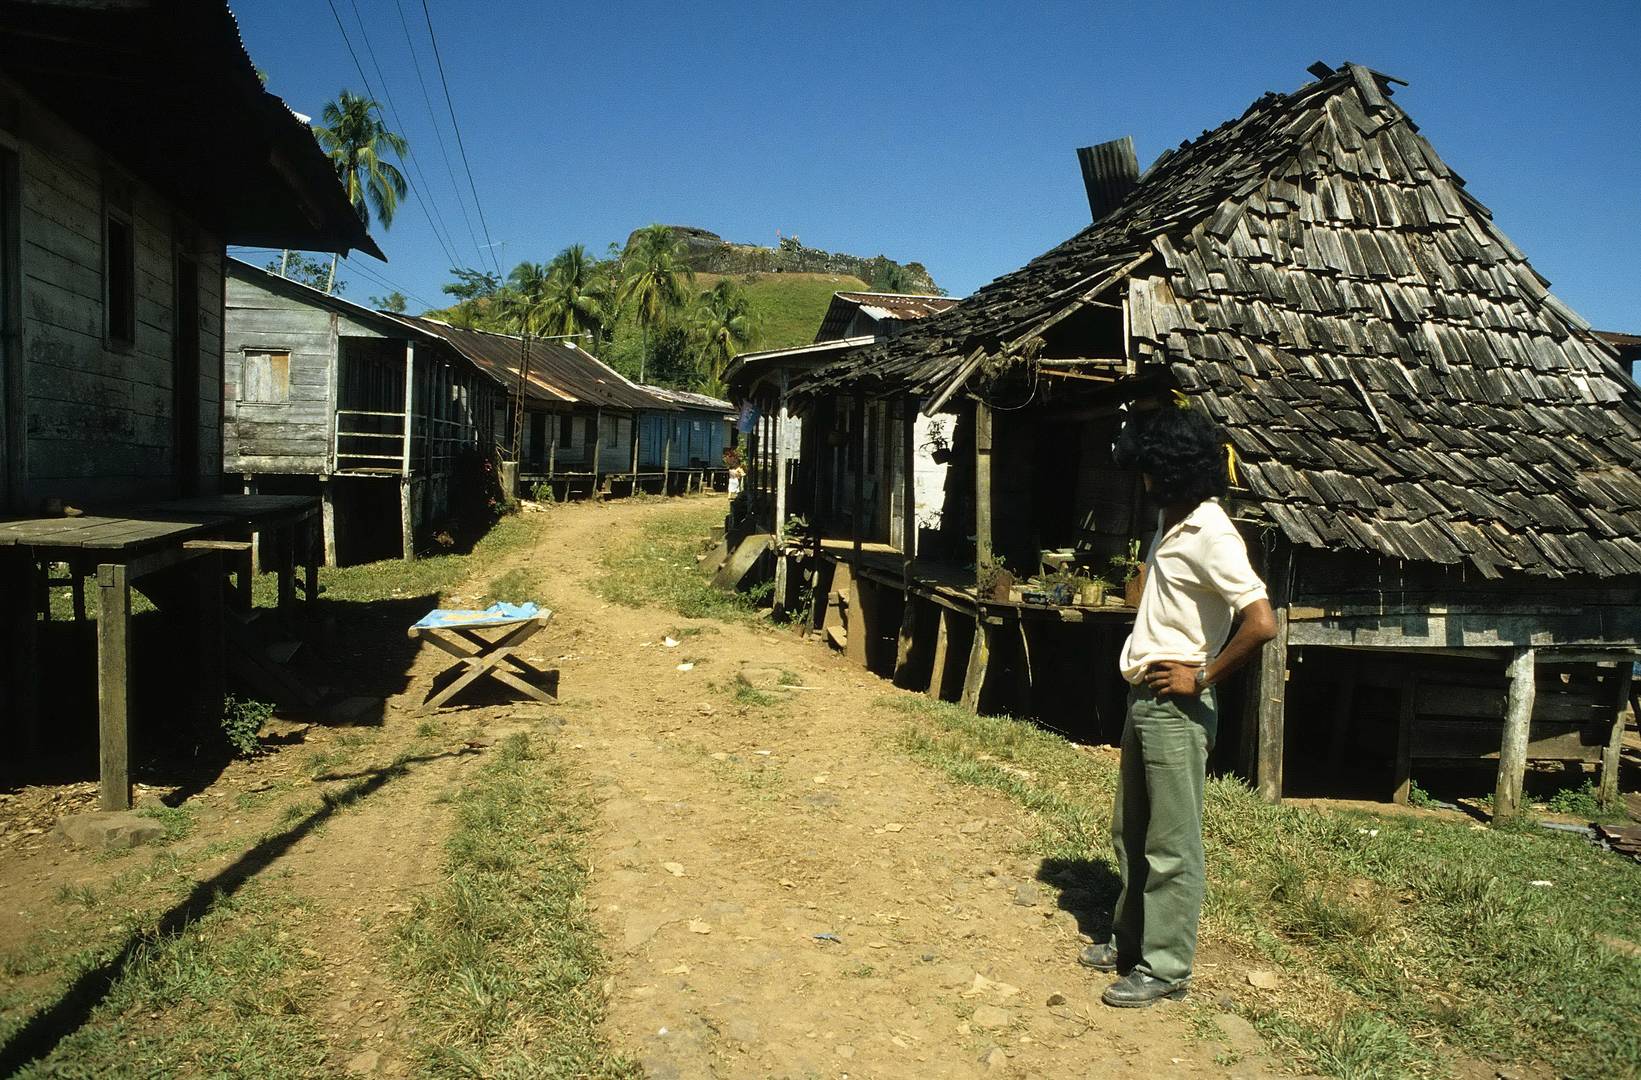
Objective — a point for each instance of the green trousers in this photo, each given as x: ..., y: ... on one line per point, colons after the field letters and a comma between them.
x: 1156, y: 829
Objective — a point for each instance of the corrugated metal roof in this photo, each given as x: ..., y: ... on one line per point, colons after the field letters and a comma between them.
x: 690, y: 400
x: 559, y: 373
x: 904, y: 307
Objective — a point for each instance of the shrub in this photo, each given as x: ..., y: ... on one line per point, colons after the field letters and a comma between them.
x: 241, y: 720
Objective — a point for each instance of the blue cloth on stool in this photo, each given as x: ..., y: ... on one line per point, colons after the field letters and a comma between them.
x: 494, y: 615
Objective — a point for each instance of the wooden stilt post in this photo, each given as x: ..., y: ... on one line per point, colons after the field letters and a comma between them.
x: 666, y: 461
x: 209, y: 643
x: 907, y: 638
x: 407, y: 518
x: 858, y: 435
x: 974, y: 679
x: 22, y: 647
x: 1272, y: 676
x: 636, y: 418
x: 1407, y: 717
x: 256, y: 537
x: 942, y: 649
x: 859, y: 618
x: 1518, y: 719
x: 982, y: 487
x: 114, y: 685
x: 598, y: 440
x: 1623, y: 713
x: 908, y: 491
x: 780, y: 500
x: 327, y: 515
x: 552, y: 447
x: 287, y: 570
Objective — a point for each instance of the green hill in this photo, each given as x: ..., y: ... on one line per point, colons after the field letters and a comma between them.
x: 786, y: 308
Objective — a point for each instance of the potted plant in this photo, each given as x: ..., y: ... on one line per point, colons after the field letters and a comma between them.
x: 992, y: 579
x: 938, y: 445
x: 1126, y: 569
x: 1091, y: 591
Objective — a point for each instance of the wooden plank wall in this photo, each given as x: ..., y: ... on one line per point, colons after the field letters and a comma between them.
x: 100, y: 415
x: 293, y: 437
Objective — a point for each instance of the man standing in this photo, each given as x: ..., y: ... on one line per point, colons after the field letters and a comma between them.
x: 1196, y: 579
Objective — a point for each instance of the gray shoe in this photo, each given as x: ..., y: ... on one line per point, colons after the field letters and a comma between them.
x: 1101, y: 957
x: 1137, y: 990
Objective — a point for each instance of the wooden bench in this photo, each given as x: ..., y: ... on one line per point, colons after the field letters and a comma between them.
x: 479, y: 657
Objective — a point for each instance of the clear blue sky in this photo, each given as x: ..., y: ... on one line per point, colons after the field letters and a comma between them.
x: 945, y: 133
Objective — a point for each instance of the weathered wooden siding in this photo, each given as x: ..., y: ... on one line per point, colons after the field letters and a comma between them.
x: 293, y: 437
x: 99, y: 416
x: 697, y: 439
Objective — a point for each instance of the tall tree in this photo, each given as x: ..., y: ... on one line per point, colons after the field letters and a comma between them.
x: 723, y: 324
x: 352, y: 133
x: 574, y: 300
x: 653, y: 278
x: 521, y: 299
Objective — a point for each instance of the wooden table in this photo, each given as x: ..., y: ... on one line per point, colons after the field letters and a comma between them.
x: 479, y: 657
x: 119, y: 546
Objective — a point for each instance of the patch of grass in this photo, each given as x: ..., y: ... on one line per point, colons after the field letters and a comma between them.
x: 178, y: 821
x: 1583, y: 802
x: 82, y: 896
x: 789, y: 678
x: 230, y: 994
x: 744, y: 693
x: 515, y: 586
x: 1432, y: 939
x: 428, y: 729
x: 786, y: 307
x: 432, y: 575
x: 658, y: 567
x: 502, y: 961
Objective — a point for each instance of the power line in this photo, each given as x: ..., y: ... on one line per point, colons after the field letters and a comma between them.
x: 398, y: 122
x: 438, y: 132
x: 416, y: 191
x: 456, y: 127
x: 386, y: 283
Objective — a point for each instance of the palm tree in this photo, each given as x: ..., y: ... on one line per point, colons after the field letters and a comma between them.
x: 654, y: 275
x: 574, y: 299
x: 520, y: 302
x: 723, y: 324
x: 352, y: 133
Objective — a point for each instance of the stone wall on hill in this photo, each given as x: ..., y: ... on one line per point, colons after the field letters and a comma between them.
x: 708, y: 253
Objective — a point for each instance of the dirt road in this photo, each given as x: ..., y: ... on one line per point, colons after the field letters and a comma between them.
x: 786, y: 894
x: 782, y: 891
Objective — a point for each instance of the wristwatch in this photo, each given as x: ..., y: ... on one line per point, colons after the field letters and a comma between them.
x: 1202, y: 678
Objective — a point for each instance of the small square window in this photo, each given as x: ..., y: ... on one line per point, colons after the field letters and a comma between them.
x: 267, y: 377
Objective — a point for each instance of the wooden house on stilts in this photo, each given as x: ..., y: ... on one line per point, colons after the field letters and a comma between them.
x: 136, y: 142
x: 1436, y: 460
x: 325, y: 397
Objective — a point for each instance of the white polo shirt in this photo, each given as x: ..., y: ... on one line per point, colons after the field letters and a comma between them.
x: 1197, y: 577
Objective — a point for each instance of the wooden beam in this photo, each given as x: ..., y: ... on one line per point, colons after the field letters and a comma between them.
x: 982, y: 486
x: 210, y: 646
x: 974, y: 679
x: 114, y: 685
x: 1618, y: 628
x: 1518, y: 717
x: 598, y: 441
x: 22, y: 647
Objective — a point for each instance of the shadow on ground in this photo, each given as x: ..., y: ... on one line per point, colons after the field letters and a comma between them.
x: 1088, y: 890
x: 54, y: 1023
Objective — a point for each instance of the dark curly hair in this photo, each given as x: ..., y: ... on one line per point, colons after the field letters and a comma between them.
x: 1182, y: 450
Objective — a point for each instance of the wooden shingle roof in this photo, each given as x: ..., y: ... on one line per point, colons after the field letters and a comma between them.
x: 1394, y: 375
